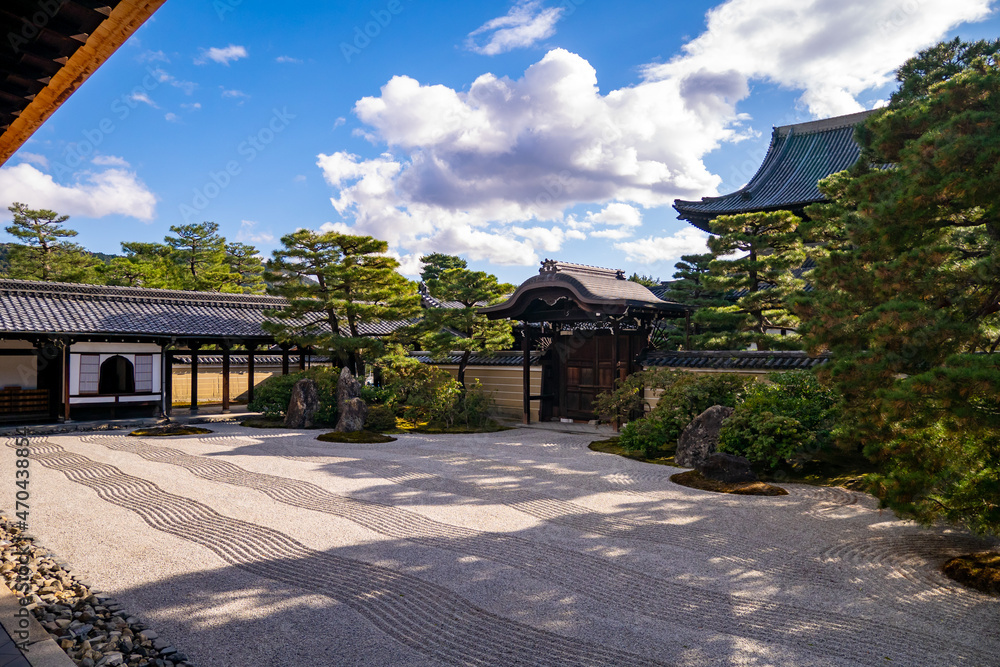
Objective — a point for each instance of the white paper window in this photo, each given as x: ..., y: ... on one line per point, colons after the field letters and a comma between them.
x: 143, y: 373
x: 90, y: 373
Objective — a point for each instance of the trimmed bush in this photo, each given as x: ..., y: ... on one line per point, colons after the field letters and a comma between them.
x: 380, y: 418
x: 271, y: 396
x: 648, y: 437
x: 787, y: 420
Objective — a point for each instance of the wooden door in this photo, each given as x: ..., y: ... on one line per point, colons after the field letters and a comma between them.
x: 588, y: 371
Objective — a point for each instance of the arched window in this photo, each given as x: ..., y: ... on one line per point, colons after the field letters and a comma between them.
x: 117, y: 376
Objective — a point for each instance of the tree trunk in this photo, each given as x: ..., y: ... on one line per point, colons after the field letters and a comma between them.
x: 462, y: 363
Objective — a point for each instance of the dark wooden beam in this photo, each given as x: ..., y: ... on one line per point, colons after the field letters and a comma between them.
x: 526, y: 372
x: 225, y: 380
x: 251, y: 350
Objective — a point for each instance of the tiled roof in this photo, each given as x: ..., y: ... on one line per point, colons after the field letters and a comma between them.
x: 31, y: 307
x: 589, y: 285
x: 735, y: 360
x: 798, y: 158
x: 480, y: 359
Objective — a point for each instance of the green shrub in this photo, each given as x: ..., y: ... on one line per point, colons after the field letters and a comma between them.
x: 420, y: 392
x: 786, y: 420
x: 271, y: 396
x: 645, y: 436
x: 376, y: 395
x: 380, y: 418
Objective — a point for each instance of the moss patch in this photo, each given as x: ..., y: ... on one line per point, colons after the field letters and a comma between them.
x: 611, y: 446
x: 356, y: 436
x: 980, y: 571
x: 263, y: 422
x: 168, y: 431
x: 695, y: 480
x: 403, y: 426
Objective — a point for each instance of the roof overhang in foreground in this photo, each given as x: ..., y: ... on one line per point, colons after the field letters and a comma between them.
x: 50, y: 48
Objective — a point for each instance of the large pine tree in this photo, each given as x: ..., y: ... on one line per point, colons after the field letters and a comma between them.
x: 458, y: 325
x: 758, y: 282
x: 42, y: 251
x: 337, y: 284
x: 908, y: 288
x: 690, y: 287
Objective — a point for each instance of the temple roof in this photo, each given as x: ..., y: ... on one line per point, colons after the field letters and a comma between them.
x: 567, y: 292
x: 50, y: 49
x: 734, y: 360
x: 32, y: 308
x: 798, y: 158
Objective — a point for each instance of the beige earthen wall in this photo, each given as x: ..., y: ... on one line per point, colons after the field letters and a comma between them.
x: 505, y: 384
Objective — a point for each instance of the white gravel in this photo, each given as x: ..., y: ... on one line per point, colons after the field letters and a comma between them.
x: 260, y: 547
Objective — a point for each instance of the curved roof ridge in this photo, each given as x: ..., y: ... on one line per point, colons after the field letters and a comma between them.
x: 137, y: 293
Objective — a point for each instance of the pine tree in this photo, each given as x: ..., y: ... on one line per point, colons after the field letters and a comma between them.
x: 245, y: 268
x: 689, y: 288
x: 758, y: 283
x: 43, y: 253
x: 458, y: 326
x: 908, y: 289
x: 201, y: 251
x: 143, y: 265
x: 434, y: 264
x: 338, y: 284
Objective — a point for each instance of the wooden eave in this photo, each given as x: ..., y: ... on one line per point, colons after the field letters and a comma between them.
x: 69, y: 46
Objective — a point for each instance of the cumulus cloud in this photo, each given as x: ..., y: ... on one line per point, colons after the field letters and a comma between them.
x: 526, y: 24
x: 653, y: 250
x: 493, y: 169
x: 832, y: 50
x: 162, y: 76
x: 34, y: 158
x: 93, y: 195
x: 222, y: 55
x: 172, y: 117
x: 141, y: 96
x: 234, y: 94
x: 288, y: 60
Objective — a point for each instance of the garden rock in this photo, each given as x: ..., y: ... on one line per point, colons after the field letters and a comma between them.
x: 701, y: 437
x: 302, y: 408
x: 351, y: 410
x: 729, y: 468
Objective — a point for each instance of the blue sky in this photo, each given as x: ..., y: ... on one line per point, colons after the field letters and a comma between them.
x: 503, y: 132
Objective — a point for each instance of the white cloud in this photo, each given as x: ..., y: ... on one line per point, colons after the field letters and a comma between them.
x: 34, y: 158
x: 490, y: 170
x: 153, y: 57
x: 234, y: 94
x: 526, y: 24
x: 172, y: 117
x: 141, y: 96
x: 223, y: 55
x: 288, y: 59
x: 93, y: 195
x: 248, y: 234
x: 301, y: 178
x: 832, y: 50
x: 194, y: 106
x: 652, y: 250
x: 110, y: 161
x: 163, y: 76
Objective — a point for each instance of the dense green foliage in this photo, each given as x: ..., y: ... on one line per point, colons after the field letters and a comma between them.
x: 420, y: 393
x: 458, y: 325
x: 380, y: 418
x: 690, y: 287
x: 42, y: 251
x: 682, y: 397
x: 339, y: 283
x: 908, y: 289
x: 767, y: 247
x: 271, y: 396
x: 788, y: 419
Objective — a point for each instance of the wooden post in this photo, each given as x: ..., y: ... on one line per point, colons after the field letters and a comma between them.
x: 194, y: 376
x: 225, y: 379
x: 250, y: 351
x: 526, y: 371
x: 168, y: 382
x: 284, y: 360
x: 687, y: 330
x: 65, y: 379
x: 614, y: 366
x: 302, y: 359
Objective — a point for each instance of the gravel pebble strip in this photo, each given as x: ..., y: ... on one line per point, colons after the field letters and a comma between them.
x: 93, y: 629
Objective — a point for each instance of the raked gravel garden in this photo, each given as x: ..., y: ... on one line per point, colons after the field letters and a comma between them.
x: 522, y: 547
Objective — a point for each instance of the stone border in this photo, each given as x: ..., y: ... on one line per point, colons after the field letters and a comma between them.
x: 42, y: 649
